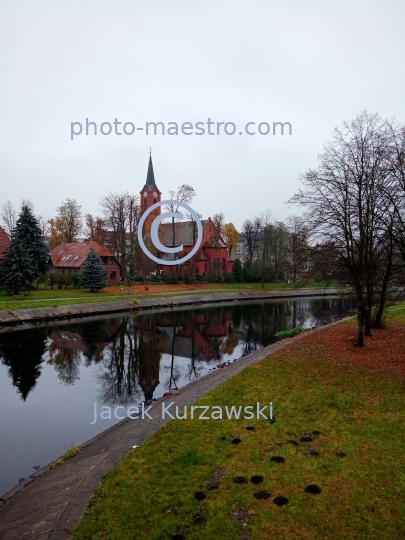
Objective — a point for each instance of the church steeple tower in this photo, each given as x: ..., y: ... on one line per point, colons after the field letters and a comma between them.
x: 150, y: 195
x: 150, y: 177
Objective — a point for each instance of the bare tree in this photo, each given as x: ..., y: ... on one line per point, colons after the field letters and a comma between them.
x: 194, y: 234
x: 347, y: 206
x: 121, y: 213
x: 95, y: 229
x: 251, y: 232
x: 70, y: 220
x: 297, y: 247
x: 8, y: 216
x: 218, y: 221
x: 396, y: 169
x: 265, y: 219
x: 44, y: 226
x: 28, y: 204
x: 185, y: 193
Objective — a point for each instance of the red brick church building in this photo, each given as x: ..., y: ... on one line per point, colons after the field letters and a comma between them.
x: 213, y: 252
x: 4, y: 242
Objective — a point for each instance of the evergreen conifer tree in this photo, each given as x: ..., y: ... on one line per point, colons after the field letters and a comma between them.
x: 23, y: 357
x: 16, y: 271
x: 237, y: 271
x: 29, y: 233
x: 93, y: 275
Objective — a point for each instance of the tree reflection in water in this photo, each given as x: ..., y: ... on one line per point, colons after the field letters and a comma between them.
x: 23, y: 354
x: 119, y: 368
x: 128, y: 350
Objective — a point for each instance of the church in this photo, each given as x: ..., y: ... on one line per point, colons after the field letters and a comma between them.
x: 213, y: 253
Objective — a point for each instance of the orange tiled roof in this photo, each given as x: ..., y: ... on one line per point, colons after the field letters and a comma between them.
x: 4, y: 242
x: 74, y: 254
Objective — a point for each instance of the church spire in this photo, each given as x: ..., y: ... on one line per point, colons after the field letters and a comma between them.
x: 150, y: 178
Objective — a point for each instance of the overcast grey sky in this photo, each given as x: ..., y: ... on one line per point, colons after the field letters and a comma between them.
x: 312, y: 63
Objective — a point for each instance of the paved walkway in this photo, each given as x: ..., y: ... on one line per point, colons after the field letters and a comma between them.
x: 50, y: 503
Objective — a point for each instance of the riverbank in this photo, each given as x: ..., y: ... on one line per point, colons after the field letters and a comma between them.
x: 41, y: 298
x: 329, y: 464
x: 50, y: 503
x: 67, y: 312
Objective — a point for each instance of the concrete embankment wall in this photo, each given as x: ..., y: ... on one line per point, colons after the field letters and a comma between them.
x: 44, y: 314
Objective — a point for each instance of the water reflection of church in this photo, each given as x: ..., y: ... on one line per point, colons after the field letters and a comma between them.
x: 136, y: 354
x: 195, y: 337
x: 131, y: 348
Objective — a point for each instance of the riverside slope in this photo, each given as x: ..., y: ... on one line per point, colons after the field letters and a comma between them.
x: 44, y: 314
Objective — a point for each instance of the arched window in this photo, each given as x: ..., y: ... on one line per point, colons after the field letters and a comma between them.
x: 154, y: 200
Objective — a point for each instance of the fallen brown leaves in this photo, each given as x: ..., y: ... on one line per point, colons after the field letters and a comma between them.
x: 384, y: 350
x: 161, y: 288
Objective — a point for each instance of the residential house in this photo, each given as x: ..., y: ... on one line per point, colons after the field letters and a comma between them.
x: 69, y: 257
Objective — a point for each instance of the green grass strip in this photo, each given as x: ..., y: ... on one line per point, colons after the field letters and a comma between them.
x: 354, y: 417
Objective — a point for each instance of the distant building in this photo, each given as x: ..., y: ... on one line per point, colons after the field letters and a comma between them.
x: 69, y: 258
x: 242, y: 252
x: 213, y: 252
x: 4, y: 242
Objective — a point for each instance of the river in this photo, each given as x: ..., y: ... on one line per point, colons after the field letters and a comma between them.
x: 51, y: 375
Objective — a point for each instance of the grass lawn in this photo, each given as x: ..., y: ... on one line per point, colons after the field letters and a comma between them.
x: 339, y: 425
x: 55, y: 297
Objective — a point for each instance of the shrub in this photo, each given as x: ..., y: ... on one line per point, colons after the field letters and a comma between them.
x: 229, y: 277
x: 188, y: 277
x: 62, y: 280
x: 289, y: 333
x: 215, y: 277
x: 237, y: 271
x: 172, y: 278
x: 247, y: 272
x: 52, y: 279
x: 76, y: 279
x: 317, y: 277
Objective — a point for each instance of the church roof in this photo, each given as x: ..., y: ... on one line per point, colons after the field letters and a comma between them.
x: 183, y: 233
x: 150, y: 177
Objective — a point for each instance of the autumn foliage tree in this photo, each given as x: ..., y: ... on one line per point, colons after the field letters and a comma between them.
x: 231, y: 237
x: 67, y: 225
